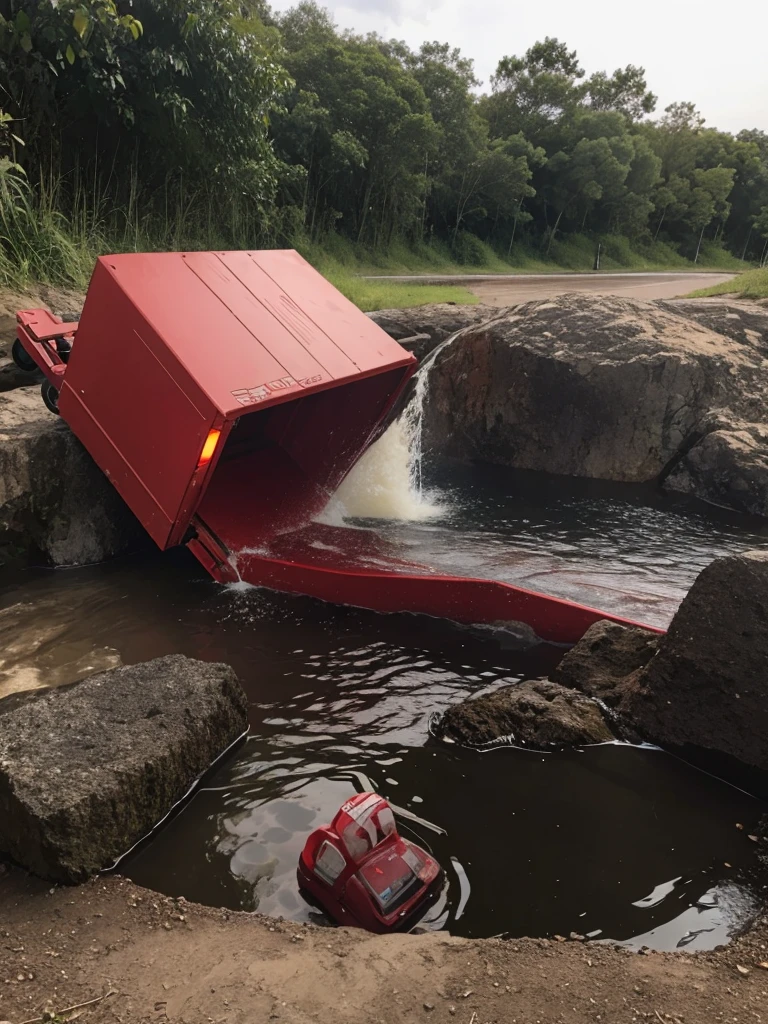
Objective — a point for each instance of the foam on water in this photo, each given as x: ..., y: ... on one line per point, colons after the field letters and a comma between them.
x: 381, y: 485
x: 387, y: 482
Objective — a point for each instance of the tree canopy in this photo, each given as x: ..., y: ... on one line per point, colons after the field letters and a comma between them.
x: 315, y: 131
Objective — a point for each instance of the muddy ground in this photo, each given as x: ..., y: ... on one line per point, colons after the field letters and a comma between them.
x: 163, y: 960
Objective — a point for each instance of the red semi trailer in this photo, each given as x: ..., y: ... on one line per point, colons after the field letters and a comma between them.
x: 226, y: 395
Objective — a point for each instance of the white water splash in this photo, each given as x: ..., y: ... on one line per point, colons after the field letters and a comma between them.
x: 381, y: 486
x: 387, y: 482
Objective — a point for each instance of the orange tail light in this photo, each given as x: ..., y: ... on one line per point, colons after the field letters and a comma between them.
x: 209, y: 448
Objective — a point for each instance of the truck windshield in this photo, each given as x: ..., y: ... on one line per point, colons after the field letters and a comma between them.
x: 390, y: 878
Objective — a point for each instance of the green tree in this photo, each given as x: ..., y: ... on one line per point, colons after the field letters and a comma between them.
x: 533, y: 91
x: 56, y: 59
x: 593, y: 170
x: 761, y: 227
x: 497, y: 179
x: 367, y: 165
x: 625, y: 90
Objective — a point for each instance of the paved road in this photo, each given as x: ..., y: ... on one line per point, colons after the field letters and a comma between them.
x: 507, y: 289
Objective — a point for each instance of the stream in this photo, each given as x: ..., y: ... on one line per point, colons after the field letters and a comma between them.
x: 615, y: 842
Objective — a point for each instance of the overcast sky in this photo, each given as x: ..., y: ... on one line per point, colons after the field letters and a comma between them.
x: 714, y: 56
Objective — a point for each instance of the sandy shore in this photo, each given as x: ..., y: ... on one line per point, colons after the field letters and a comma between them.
x: 165, y: 960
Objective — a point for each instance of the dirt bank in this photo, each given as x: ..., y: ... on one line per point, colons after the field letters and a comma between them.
x: 169, y: 961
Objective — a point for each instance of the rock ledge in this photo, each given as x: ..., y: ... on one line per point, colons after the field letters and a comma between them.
x: 88, y: 770
x: 538, y: 714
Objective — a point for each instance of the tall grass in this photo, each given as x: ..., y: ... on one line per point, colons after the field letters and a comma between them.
x: 751, y: 285
x: 36, y: 241
x: 52, y: 231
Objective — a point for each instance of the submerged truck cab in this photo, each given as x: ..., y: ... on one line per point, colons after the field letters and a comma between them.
x: 362, y: 873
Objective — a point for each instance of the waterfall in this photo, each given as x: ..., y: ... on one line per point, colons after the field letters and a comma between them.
x: 387, y: 482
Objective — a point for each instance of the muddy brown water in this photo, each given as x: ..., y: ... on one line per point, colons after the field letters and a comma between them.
x: 617, y: 842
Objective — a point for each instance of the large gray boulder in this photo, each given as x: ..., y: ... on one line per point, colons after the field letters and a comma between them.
x: 603, y: 387
x: 707, y: 685
x: 87, y: 770
x: 53, y: 497
x: 539, y: 714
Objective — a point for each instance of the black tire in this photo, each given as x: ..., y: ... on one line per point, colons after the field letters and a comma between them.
x: 22, y: 358
x: 50, y: 397
x: 64, y: 349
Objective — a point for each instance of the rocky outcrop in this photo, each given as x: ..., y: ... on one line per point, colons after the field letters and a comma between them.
x: 608, y: 388
x: 87, y: 770
x: 602, y: 660
x: 53, y: 497
x: 727, y: 467
x: 11, y: 377
x: 743, y: 322
x: 707, y: 685
x: 703, y: 684
x: 538, y: 714
x: 426, y: 326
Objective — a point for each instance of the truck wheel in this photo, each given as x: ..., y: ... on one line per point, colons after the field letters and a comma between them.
x: 50, y: 397
x: 21, y: 357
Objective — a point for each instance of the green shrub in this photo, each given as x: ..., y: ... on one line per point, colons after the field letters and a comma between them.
x: 469, y: 251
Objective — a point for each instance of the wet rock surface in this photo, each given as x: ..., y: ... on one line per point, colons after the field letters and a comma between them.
x: 610, y: 388
x: 707, y: 685
x: 602, y: 660
x: 87, y: 770
x: 727, y: 467
x: 538, y: 714
x: 53, y: 497
x: 430, y: 324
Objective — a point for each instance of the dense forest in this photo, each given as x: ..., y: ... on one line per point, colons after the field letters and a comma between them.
x: 219, y: 122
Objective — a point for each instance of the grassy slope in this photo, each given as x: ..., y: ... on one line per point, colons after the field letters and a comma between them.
x: 370, y: 295
x: 576, y: 254
x: 752, y: 285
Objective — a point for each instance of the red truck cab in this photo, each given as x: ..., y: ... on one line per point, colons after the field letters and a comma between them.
x: 363, y: 873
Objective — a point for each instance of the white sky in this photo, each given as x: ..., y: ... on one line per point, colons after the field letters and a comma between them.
x: 712, y: 55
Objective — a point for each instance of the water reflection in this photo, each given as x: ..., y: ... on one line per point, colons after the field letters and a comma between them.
x: 628, y: 549
x: 533, y: 844
x: 612, y: 842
